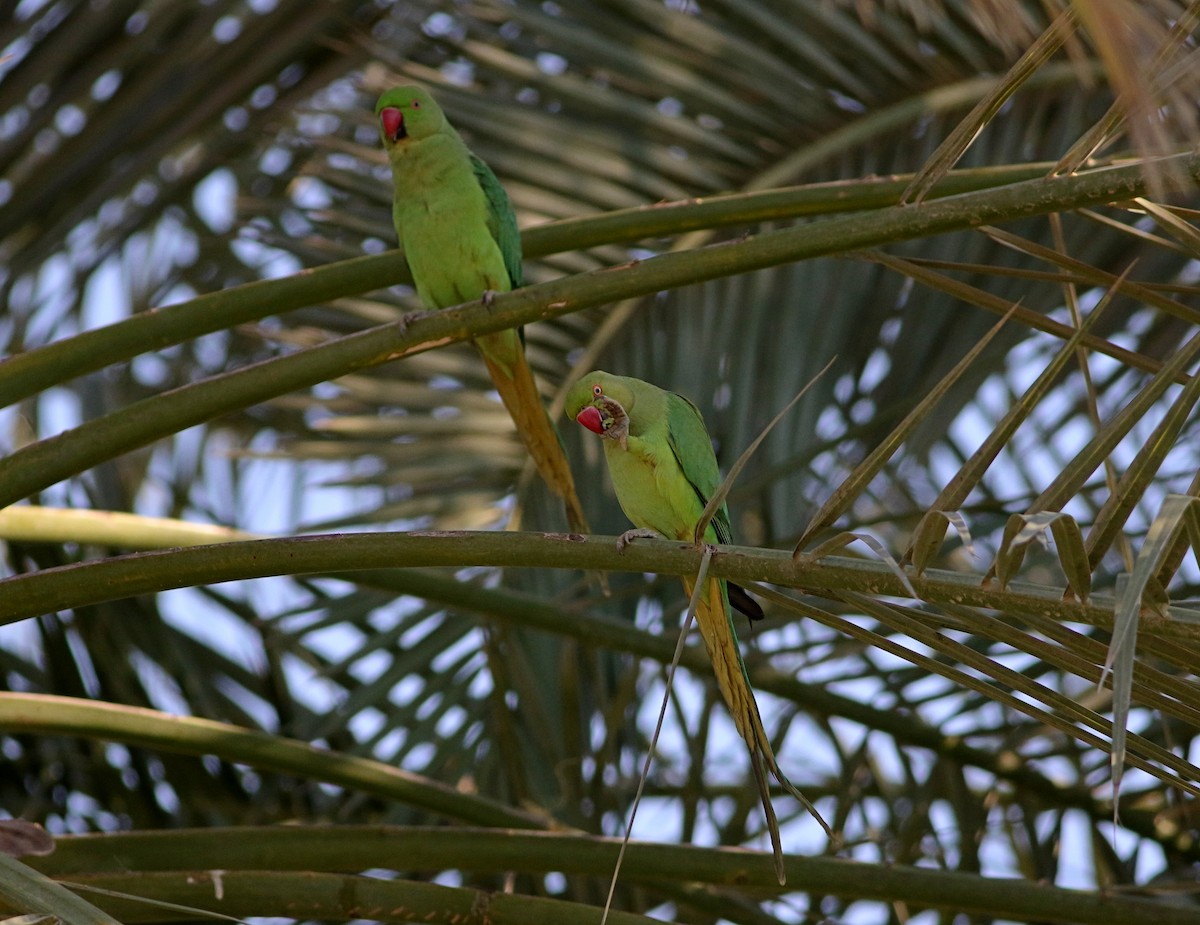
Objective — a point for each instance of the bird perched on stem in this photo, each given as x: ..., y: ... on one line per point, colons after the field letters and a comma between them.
x: 664, y: 472
x: 459, y: 236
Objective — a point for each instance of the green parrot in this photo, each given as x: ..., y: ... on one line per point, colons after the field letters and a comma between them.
x: 664, y: 471
x: 459, y: 235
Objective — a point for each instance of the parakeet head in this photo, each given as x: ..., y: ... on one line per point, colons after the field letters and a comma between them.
x: 408, y: 113
x: 602, y: 403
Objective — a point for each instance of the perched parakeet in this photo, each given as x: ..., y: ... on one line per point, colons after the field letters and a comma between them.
x: 459, y: 235
x: 664, y: 471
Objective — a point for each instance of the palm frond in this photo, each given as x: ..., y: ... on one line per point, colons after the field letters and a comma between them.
x: 155, y: 154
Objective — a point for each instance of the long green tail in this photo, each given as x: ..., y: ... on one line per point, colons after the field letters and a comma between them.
x: 715, y: 617
x: 514, y: 381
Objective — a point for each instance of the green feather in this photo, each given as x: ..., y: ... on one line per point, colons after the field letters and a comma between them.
x: 459, y: 235
x: 692, y: 448
x: 502, y: 221
x: 664, y: 471
x: 452, y: 217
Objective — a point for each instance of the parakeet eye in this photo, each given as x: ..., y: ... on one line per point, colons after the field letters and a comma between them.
x: 416, y: 104
x: 597, y: 391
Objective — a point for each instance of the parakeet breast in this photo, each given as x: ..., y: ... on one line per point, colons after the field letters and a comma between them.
x: 652, y: 490
x: 442, y: 221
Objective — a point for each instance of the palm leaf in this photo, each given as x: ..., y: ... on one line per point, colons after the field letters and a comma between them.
x: 234, y: 146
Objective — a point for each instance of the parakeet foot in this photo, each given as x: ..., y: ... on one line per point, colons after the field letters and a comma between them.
x: 488, y: 297
x: 403, y: 321
x: 629, y: 535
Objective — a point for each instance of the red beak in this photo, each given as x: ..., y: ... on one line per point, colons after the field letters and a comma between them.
x: 589, y: 417
x: 393, y: 122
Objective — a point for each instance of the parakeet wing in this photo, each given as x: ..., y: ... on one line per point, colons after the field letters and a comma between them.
x: 502, y: 222
x: 690, y: 444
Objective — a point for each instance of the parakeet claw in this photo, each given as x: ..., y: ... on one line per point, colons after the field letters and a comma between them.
x: 488, y: 297
x: 629, y: 535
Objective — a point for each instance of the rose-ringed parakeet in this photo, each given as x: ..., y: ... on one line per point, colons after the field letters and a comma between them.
x: 664, y: 471
x: 459, y: 235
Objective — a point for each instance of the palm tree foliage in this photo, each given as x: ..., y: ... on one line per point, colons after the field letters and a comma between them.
x: 155, y: 152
